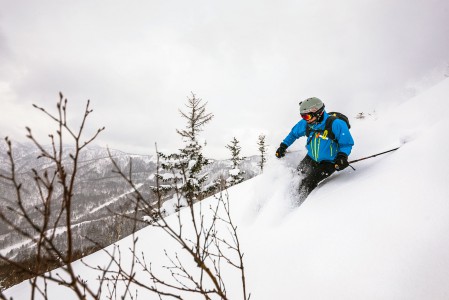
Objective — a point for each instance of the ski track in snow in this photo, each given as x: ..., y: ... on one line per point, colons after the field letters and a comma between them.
x: 115, y: 199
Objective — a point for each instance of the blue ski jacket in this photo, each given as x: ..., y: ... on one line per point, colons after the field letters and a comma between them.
x: 319, y: 146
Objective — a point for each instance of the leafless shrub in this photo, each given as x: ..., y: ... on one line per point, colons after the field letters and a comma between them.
x: 55, y: 188
x: 212, y: 242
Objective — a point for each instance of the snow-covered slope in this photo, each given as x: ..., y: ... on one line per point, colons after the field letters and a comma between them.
x: 380, y: 232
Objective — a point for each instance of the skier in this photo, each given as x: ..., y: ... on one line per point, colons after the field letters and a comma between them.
x: 329, y: 144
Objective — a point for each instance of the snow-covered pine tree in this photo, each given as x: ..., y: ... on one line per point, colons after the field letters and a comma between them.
x: 236, y: 175
x: 183, y: 170
x: 263, y: 150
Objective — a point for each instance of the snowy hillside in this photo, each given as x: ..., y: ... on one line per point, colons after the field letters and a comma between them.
x: 380, y: 232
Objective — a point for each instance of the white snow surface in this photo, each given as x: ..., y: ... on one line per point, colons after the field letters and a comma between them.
x: 234, y: 172
x: 380, y: 232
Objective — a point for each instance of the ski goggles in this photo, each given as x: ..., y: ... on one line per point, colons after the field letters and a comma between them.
x: 307, y: 117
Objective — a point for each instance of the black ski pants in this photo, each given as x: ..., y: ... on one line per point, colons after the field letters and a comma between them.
x: 313, y: 172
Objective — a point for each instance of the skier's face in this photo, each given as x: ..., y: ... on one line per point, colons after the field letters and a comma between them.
x: 311, y: 121
x: 310, y: 118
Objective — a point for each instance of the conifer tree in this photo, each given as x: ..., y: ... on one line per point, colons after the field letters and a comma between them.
x: 262, y: 150
x: 236, y: 175
x: 184, y: 169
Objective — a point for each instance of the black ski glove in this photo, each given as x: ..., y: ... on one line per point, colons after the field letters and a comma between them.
x: 280, y: 152
x: 341, y: 161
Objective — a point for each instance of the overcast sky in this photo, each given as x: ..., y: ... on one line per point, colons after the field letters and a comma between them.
x: 252, y: 61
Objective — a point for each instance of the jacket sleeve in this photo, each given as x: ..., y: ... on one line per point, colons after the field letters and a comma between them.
x: 343, y: 136
x: 297, y: 131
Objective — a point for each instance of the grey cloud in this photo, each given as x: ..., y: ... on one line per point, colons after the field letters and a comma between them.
x: 140, y: 60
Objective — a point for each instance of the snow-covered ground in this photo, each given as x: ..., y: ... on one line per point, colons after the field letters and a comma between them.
x: 380, y: 232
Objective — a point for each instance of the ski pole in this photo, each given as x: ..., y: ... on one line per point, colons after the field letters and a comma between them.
x: 363, y: 158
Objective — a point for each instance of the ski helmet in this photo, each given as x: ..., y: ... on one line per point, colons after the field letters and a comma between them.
x: 311, y: 105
